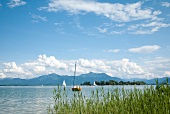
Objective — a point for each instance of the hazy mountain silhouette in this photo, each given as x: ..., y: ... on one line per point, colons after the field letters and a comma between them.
x: 55, y: 79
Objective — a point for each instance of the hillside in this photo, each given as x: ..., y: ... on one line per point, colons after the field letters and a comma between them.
x: 55, y: 79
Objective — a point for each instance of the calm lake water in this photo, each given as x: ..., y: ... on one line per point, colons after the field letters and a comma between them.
x: 36, y: 99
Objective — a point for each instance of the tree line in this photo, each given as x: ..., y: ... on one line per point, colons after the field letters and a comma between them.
x: 112, y: 82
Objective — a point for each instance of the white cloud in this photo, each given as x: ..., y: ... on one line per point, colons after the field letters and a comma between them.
x: 151, y: 23
x: 88, y: 64
x: 0, y: 5
x: 126, y: 69
x: 51, y: 62
x: 116, y: 12
x: 112, y: 51
x: 120, y: 25
x: 165, y: 4
x: 43, y: 65
x: 110, y: 28
x: 2, y: 75
x: 115, y: 50
x: 145, y: 49
x: 13, y: 71
x: 159, y: 65
x: 15, y: 3
x: 159, y: 62
x: 102, y: 30
x: 37, y: 18
x: 33, y: 69
x: 39, y: 69
x: 167, y: 73
x: 117, y: 32
x: 119, y: 68
x: 12, y: 68
x: 147, y: 28
x: 123, y: 68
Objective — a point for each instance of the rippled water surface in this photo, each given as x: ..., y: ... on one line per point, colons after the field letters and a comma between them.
x: 36, y: 99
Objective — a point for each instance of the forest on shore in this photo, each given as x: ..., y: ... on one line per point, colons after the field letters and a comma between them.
x: 112, y: 82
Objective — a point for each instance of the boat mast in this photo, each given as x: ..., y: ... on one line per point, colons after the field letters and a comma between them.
x: 74, y: 75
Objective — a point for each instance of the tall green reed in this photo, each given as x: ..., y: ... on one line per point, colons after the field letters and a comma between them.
x: 113, y: 101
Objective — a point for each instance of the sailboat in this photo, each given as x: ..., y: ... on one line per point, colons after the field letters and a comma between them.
x: 94, y: 84
x: 64, y: 84
x: 75, y: 87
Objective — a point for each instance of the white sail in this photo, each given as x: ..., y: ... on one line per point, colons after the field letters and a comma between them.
x: 64, y: 83
x: 94, y: 83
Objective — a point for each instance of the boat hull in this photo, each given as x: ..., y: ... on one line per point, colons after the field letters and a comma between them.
x: 76, y: 89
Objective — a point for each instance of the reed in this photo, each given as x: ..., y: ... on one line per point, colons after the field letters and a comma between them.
x: 115, y: 101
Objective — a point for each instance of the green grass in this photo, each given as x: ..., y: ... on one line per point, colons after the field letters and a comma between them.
x: 116, y: 101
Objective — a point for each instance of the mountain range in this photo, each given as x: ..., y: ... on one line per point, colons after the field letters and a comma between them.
x: 55, y: 79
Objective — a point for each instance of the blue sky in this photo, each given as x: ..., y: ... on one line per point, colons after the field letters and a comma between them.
x: 127, y: 39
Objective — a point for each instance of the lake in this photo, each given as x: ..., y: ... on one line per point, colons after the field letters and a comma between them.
x: 36, y: 99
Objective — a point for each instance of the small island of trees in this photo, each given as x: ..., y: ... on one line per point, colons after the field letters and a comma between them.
x: 112, y: 82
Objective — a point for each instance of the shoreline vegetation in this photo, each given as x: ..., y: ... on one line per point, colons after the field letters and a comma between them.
x: 149, y: 100
x: 113, y: 82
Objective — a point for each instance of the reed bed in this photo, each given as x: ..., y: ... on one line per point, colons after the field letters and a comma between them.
x: 115, y: 101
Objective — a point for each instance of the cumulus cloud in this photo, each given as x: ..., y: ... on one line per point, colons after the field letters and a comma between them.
x: 167, y: 73
x: 120, y: 68
x: 2, y: 75
x: 123, y: 68
x: 159, y: 65
x: 51, y: 62
x: 145, y: 49
x: 159, y: 62
x: 15, y: 3
x: 116, y: 12
x: 12, y: 68
x: 39, y: 69
x: 165, y: 4
x: 43, y: 65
